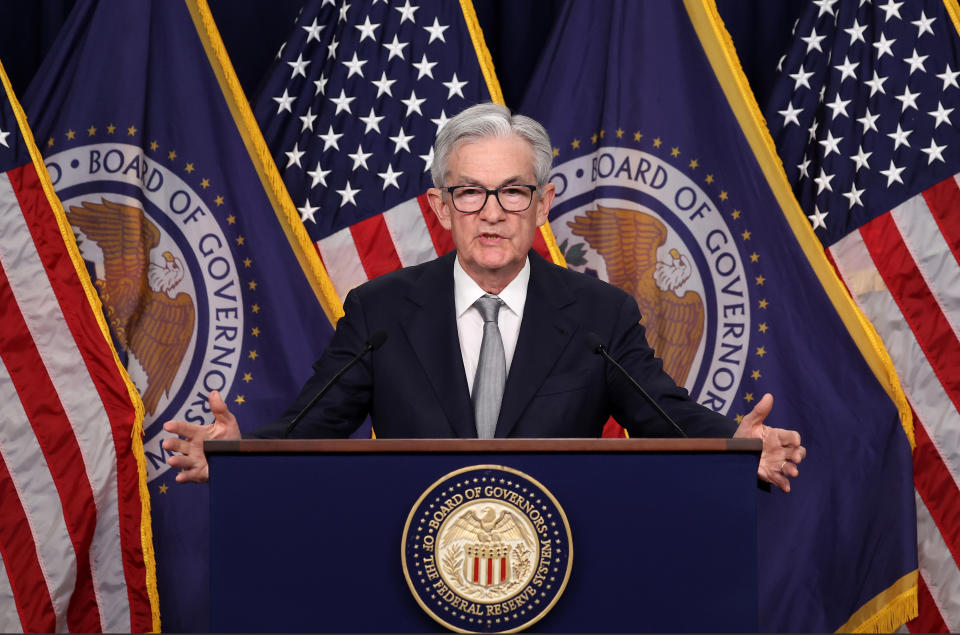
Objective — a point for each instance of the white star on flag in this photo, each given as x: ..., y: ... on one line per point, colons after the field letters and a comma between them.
x: 348, y: 195
x: 307, y: 212
x: 293, y: 157
x: 817, y: 218
x: 390, y: 177
x: 436, y: 31
x: 401, y: 141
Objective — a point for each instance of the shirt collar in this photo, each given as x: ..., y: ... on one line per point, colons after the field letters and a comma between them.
x: 466, y: 291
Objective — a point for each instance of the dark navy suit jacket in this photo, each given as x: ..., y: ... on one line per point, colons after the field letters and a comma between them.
x: 414, y: 385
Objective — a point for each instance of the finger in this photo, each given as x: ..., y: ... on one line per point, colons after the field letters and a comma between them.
x: 761, y: 410
x: 221, y: 414
x: 797, y: 455
x: 182, y: 462
x: 774, y: 477
x: 182, y: 428
x: 198, y: 475
x: 787, y: 438
x: 175, y: 444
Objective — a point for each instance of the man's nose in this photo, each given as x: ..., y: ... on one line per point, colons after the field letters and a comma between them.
x: 491, y: 210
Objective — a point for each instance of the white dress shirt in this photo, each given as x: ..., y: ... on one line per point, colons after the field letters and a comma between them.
x: 470, y: 323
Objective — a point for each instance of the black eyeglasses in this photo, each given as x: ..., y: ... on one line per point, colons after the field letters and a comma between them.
x: 470, y: 199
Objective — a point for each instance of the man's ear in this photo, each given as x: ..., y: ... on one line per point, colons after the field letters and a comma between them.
x: 544, y: 201
x: 435, y: 198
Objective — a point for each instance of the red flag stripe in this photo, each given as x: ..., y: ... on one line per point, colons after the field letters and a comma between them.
x: 928, y: 619
x: 19, y: 553
x: 540, y: 246
x: 375, y: 246
x: 932, y: 255
x: 67, y: 373
x: 58, y: 458
x: 442, y: 240
x: 410, y: 234
x: 340, y: 256
x: 938, y: 568
x: 939, y: 416
x: 943, y: 199
x: 936, y: 415
x: 120, y: 416
x: 898, y: 270
x: 41, y: 449
x: 937, y: 488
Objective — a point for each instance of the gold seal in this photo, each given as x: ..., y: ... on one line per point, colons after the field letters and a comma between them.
x: 487, y: 549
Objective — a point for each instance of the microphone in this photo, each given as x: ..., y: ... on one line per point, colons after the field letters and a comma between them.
x: 595, y: 344
x: 374, y: 342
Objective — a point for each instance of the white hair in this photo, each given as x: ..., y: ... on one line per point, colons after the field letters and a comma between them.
x: 485, y: 121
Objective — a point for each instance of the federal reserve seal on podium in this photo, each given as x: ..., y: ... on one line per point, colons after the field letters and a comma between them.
x: 487, y: 549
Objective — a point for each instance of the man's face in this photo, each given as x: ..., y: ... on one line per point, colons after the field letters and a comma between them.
x: 492, y: 244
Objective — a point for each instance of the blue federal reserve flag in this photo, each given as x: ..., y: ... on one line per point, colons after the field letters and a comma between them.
x: 668, y: 186
x: 206, y: 275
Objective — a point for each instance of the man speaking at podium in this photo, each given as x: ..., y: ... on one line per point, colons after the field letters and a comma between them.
x: 491, y: 340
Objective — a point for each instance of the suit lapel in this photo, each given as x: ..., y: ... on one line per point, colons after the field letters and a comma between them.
x: 544, y: 333
x: 431, y: 328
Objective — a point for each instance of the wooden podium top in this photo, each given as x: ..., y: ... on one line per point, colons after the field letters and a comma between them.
x: 393, y: 446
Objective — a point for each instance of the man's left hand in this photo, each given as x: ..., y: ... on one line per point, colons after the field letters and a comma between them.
x: 781, y: 448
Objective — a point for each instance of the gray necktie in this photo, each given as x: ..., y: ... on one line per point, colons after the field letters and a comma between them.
x: 491, y: 370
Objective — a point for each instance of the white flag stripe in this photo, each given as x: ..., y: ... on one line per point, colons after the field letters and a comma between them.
x: 342, y: 261
x: 81, y: 403
x: 9, y: 617
x: 921, y: 385
x: 932, y: 255
x: 938, y: 567
x: 411, y: 237
x: 38, y: 495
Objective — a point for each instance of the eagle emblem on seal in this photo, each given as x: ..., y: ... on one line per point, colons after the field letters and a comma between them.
x: 628, y: 241
x: 486, y: 550
x: 149, y: 320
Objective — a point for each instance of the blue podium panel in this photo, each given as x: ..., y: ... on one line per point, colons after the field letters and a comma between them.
x: 306, y: 535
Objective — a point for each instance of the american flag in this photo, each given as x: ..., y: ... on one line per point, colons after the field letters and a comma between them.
x: 351, y: 111
x: 864, y: 117
x: 75, y: 541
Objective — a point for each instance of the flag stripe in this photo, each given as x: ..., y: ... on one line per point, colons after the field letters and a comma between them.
x: 932, y: 255
x: 341, y: 259
x: 937, y: 488
x: 66, y: 370
x: 409, y: 233
x: 937, y: 421
x: 937, y: 567
x: 918, y: 306
x: 9, y: 617
x: 943, y: 200
x: 442, y: 239
x: 32, y: 397
x: 929, y: 619
x: 27, y: 580
x: 59, y: 459
x: 939, y: 416
x: 113, y: 409
x: 375, y: 246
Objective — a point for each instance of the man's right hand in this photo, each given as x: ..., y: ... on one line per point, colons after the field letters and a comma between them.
x: 191, y: 461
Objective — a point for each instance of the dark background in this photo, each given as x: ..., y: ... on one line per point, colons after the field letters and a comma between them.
x: 515, y: 31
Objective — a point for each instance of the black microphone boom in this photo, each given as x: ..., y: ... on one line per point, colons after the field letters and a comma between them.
x: 374, y: 342
x: 596, y: 346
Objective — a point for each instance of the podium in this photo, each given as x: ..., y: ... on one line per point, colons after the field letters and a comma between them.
x: 308, y: 535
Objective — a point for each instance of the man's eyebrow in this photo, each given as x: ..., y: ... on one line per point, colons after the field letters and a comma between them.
x: 467, y: 180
